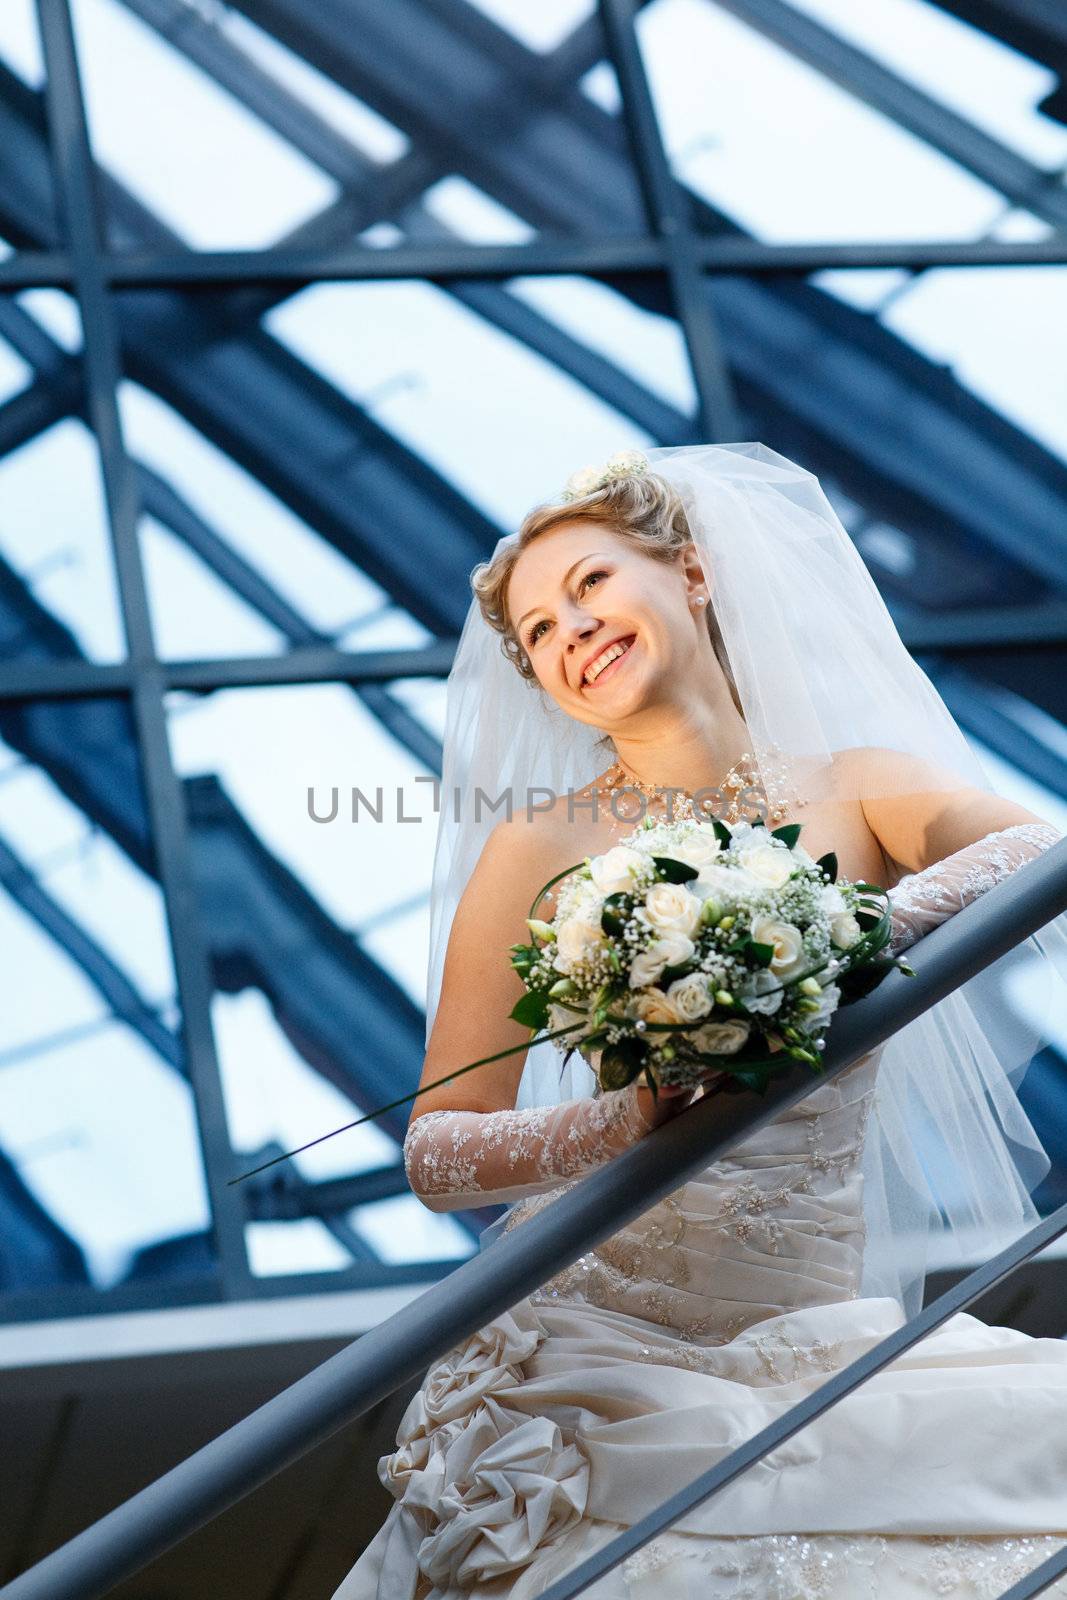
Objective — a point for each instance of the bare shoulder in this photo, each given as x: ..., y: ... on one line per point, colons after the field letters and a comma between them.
x: 877, y: 769
x: 921, y: 811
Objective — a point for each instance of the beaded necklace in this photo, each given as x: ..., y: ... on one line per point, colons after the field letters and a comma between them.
x: 741, y: 793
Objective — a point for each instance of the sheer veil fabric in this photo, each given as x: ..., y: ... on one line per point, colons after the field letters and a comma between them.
x: 819, y: 670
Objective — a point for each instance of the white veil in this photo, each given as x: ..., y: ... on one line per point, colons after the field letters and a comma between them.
x: 819, y: 668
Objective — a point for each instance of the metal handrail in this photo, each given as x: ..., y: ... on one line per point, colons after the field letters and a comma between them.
x: 399, y: 1349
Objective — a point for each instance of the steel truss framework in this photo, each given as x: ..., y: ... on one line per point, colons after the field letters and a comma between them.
x: 987, y: 503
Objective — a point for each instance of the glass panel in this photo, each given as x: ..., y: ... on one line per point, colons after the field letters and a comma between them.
x: 990, y: 84
x: 205, y: 167
x: 801, y: 158
x: 1002, y: 332
x: 15, y: 374
x: 97, y: 1117
x: 360, y: 133
x: 328, y: 152
x: 984, y: 323
x: 542, y: 27
x: 400, y: 436
x: 20, y: 45
x: 231, y: 571
x: 57, y: 313
x: 57, y: 596
x: 318, y: 922
x: 458, y: 389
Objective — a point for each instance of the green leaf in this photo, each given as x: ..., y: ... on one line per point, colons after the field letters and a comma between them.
x: 761, y: 954
x: 828, y: 864
x: 674, y: 871
x: 788, y: 835
x: 531, y: 1009
x: 539, y: 896
x: 722, y: 832
x: 621, y: 1063
x: 614, y: 912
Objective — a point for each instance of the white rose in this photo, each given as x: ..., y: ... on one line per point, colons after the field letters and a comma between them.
x: 832, y: 901
x: 789, y: 956
x: 575, y: 941
x: 669, y: 950
x: 655, y: 1006
x: 689, y: 996
x: 845, y: 930
x: 720, y: 1038
x: 671, y: 908
x: 770, y: 864
x: 615, y: 868
x: 761, y: 992
x: 698, y: 849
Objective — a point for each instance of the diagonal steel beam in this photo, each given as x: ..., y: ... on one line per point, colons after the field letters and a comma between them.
x: 936, y: 123
x: 1038, y: 28
x: 668, y: 218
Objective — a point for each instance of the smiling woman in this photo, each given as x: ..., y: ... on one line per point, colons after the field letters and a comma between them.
x: 558, y: 1424
x: 626, y: 523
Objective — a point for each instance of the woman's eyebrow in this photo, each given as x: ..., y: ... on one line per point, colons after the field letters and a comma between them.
x: 587, y: 557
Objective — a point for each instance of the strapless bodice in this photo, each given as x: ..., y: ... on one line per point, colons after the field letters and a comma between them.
x: 774, y: 1226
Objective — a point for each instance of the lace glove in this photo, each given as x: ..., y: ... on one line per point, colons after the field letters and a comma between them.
x: 476, y: 1158
x: 923, y: 899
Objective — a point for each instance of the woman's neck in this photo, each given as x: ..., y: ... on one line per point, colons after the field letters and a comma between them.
x: 690, y: 749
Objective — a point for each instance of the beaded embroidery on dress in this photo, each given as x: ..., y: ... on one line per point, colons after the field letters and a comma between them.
x: 564, y: 1420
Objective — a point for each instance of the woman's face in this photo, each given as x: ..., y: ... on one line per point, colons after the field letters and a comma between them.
x: 581, y: 590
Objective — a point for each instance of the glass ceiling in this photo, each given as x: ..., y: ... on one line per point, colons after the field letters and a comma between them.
x: 319, y: 465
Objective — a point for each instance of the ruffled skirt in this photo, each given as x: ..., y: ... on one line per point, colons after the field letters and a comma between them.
x: 557, y: 1425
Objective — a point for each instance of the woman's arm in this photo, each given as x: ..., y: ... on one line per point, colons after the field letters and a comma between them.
x: 924, y: 899
x: 471, y: 1158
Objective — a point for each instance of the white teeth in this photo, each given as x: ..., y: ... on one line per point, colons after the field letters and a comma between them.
x: 593, y: 671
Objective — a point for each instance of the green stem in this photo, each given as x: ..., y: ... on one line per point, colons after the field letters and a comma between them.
x: 542, y: 892
x: 404, y: 1098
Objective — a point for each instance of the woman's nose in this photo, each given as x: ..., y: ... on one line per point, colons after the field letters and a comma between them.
x: 578, y: 626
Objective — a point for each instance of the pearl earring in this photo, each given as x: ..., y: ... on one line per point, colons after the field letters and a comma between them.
x: 700, y: 600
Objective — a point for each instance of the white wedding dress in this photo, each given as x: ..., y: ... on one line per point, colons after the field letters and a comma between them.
x: 657, y: 1353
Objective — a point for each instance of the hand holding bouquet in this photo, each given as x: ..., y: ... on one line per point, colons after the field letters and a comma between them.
x: 694, y: 947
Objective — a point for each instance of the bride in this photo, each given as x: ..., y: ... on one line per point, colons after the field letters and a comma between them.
x: 690, y: 621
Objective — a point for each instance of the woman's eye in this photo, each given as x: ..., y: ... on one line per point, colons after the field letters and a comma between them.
x: 534, y: 634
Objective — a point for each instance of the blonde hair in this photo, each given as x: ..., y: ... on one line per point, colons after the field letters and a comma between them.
x: 642, y: 508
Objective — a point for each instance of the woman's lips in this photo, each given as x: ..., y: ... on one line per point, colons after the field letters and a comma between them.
x: 629, y: 641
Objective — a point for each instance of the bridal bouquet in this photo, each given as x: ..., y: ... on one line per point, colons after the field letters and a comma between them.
x: 694, y: 945
x: 691, y: 946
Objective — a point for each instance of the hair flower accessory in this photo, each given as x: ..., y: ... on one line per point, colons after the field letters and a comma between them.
x: 587, y: 480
